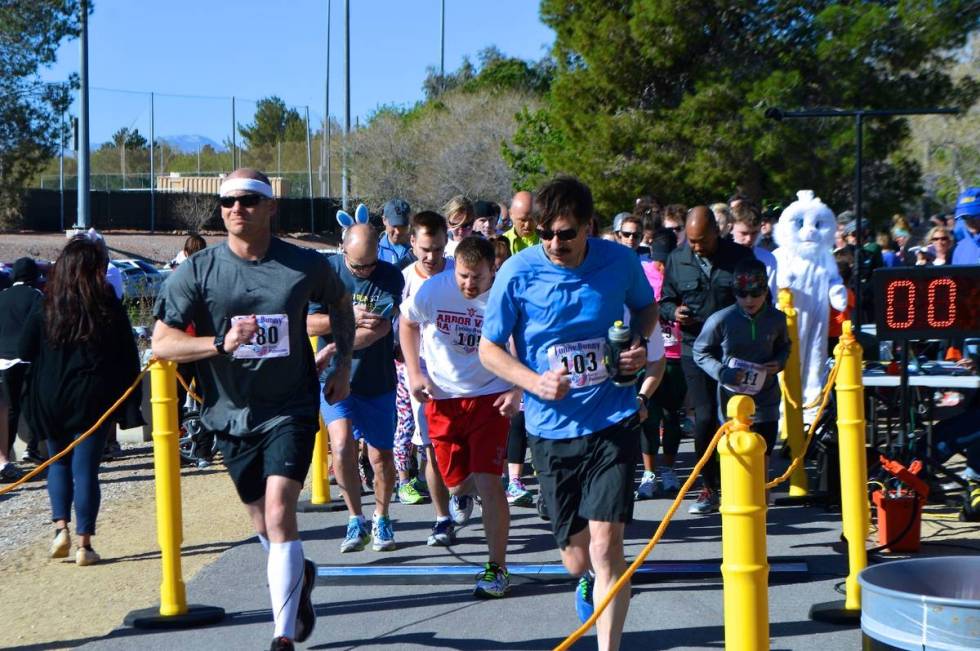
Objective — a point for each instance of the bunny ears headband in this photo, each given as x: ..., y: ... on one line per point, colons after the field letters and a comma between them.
x: 361, y: 216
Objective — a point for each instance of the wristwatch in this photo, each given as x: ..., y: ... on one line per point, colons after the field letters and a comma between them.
x: 219, y: 344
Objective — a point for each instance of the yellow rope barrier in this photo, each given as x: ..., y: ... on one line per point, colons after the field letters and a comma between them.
x: 590, y: 622
x: 101, y: 421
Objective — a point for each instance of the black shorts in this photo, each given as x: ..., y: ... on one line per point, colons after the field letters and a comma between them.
x: 587, y: 478
x: 285, y: 450
x: 768, y: 431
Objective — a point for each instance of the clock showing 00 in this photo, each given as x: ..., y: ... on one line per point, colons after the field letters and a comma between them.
x: 927, y: 302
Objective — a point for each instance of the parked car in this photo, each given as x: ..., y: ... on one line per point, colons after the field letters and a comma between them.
x: 140, y: 278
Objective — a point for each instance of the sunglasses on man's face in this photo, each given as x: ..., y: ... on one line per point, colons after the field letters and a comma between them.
x: 245, y: 201
x: 564, y: 235
x: 361, y: 267
x: 630, y: 235
x: 746, y: 293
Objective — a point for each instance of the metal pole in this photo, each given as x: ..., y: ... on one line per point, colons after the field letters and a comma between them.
x: 234, y: 139
x: 442, y: 48
x: 84, y: 219
x: 309, y: 168
x: 153, y: 184
x: 858, y: 222
x: 325, y: 136
x: 344, y: 181
x: 61, y: 173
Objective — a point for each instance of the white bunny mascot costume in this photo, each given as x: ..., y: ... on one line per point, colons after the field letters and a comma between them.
x: 806, y: 265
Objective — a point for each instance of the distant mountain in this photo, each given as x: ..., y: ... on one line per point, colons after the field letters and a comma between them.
x: 189, y: 144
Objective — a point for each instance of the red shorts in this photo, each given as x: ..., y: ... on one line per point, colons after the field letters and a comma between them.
x: 469, y: 435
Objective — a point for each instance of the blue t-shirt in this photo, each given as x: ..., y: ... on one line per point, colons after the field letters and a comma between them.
x: 392, y: 252
x: 967, y: 250
x: 373, y: 368
x: 544, y: 306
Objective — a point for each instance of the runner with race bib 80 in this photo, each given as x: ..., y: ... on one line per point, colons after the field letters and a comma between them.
x: 557, y: 301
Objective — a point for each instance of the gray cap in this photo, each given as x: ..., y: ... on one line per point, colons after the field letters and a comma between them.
x: 397, y: 212
x: 617, y: 224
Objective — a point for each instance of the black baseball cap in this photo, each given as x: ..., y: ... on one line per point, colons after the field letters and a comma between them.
x: 24, y: 270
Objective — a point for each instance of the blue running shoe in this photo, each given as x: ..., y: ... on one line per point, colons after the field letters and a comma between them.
x: 357, y: 536
x: 460, y: 509
x: 583, y: 597
x: 384, y: 537
x: 443, y: 533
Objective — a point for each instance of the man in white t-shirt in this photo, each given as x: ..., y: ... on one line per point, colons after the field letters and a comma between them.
x: 428, y: 238
x: 467, y: 407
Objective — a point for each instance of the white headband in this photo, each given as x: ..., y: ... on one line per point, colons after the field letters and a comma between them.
x: 252, y: 185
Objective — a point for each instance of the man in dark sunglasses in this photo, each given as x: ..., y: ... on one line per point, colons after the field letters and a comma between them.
x: 247, y: 299
x: 557, y: 301
x: 368, y: 414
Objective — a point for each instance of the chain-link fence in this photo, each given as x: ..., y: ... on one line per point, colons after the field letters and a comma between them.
x: 162, y: 139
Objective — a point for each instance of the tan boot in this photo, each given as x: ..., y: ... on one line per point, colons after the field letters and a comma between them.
x: 85, y: 557
x: 61, y: 544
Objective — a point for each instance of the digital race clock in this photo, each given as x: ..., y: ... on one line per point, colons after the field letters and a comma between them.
x: 927, y: 302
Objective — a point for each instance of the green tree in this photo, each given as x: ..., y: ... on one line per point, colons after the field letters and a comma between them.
x: 274, y: 122
x: 30, y: 110
x: 669, y: 96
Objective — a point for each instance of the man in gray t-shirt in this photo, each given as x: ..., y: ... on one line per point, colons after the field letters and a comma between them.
x: 247, y: 301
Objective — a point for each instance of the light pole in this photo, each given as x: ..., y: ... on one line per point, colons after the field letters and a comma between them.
x: 345, y: 176
x: 84, y: 219
x: 858, y: 115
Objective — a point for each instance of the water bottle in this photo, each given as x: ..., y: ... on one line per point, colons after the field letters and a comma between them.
x: 617, y: 340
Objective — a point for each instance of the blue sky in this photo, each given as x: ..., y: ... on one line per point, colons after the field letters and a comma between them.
x: 252, y: 49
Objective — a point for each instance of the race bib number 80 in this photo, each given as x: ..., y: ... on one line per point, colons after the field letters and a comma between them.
x: 271, y: 340
x: 582, y: 359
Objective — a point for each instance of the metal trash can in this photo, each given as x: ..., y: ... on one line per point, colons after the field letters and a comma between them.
x: 921, y: 604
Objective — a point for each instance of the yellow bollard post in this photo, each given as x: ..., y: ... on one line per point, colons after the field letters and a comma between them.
x: 744, y: 566
x: 855, y: 511
x: 320, y: 499
x: 791, y: 421
x: 173, y: 611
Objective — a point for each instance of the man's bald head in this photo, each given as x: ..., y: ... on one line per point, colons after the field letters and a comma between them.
x: 520, y: 213
x: 359, y: 239
x: 249, y: 173
x: 701, y: 230
x: 361, y: 250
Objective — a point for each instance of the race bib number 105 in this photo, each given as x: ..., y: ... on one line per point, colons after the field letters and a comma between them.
x: 271, y: 340
x: 582, y: 359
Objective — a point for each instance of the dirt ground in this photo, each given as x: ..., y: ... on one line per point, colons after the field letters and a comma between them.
x: 157, y: 248
x: 54, y: 604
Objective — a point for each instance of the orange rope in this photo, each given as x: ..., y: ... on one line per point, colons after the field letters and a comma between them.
x: 99, y: 423
x: 590, y: 622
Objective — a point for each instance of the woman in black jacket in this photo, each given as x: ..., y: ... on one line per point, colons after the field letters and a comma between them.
x: 83, y: 357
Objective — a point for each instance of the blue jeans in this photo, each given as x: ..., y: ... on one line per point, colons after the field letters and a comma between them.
x: 75, y: 478
x: 959, y: 434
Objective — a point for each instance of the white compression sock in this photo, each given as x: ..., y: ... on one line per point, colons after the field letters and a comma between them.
x: 285, y: 573
x: 264, y: 542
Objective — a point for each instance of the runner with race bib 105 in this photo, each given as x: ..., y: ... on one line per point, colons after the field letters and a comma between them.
x: 467, y: 407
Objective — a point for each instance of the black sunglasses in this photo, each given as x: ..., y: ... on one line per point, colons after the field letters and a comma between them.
x: 245, y: 201
x: 629, y: 234
x: 564, y: 235
x: 745, y: 293
x: 361, y: 267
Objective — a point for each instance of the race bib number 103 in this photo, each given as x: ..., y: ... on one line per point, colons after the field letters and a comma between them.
x: 582, y: 359
x: 271, y: 340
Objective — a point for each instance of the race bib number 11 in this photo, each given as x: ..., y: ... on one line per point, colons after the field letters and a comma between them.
x: 271, y: 340
x: 582, y: 359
